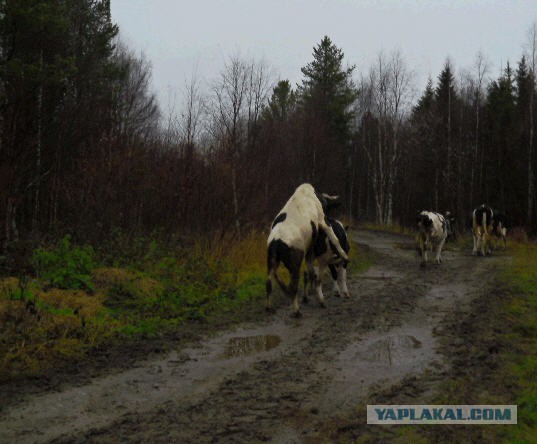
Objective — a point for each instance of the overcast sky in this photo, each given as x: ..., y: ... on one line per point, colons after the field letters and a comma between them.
x: 195, y: 37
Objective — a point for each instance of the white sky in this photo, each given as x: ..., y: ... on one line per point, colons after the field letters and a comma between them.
x: 185, y: 38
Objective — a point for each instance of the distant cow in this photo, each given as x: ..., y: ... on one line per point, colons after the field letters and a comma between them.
x: 433, y: 229
x: 293, y: 232
x: 500, y: 224
x: 325, y: 253
x: 482, y: 224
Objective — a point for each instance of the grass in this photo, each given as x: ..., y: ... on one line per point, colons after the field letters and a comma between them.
x: 80, y: 300
x: 520, y: 363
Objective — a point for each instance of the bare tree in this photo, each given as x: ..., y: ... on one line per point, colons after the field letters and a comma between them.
x: 481, y: 68
x: 387, y: 96
x: 136, y: 113
x: 238, y: 96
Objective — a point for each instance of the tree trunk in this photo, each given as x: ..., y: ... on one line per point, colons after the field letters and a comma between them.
x: 37, y: 179
x: 531, y: 190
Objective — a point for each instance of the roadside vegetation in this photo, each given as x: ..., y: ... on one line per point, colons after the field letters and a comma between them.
x: 518, y: 340
x: 77, y: 300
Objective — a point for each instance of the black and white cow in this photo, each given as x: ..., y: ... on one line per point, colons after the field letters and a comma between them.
x: 293, y: 232
x: 433, y: 230
x: 482, y: 224
x: 500, y: 224
x: 325, y: 253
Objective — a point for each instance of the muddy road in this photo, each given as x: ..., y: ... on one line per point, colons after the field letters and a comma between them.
x: 280, y: 379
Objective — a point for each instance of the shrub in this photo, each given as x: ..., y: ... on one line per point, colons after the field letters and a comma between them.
x: 66, y: 266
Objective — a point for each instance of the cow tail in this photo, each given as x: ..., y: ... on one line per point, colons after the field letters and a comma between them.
x: 273, y: 262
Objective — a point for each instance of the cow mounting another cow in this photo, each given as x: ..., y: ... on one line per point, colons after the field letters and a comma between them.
x: 292, y: 235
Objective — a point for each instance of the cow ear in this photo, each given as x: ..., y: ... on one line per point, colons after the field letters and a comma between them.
x: 330, y: 197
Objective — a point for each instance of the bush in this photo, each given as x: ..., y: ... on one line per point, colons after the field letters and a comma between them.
x: 66, y: 266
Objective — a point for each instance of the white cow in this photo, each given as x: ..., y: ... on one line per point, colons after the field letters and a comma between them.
x: 293, y: 232
x: 433, y: 229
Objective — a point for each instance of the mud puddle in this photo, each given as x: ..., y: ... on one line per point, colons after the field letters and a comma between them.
x: 248, y: 345
x: 378, y: 359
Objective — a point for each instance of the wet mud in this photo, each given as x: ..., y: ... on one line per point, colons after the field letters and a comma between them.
x: 279, y: 379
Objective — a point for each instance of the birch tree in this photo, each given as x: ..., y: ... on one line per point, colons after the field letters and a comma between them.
x: 238, y: 96
x: 387, y: 97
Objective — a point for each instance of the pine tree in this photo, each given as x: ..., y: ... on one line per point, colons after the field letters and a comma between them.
x: 501, y: 157
x: 283, y: 101
x: 329, y: 87
x: 326, y: 96
x: 446, y: 98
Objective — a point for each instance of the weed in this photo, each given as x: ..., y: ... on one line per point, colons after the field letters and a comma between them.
x: 65, y: 266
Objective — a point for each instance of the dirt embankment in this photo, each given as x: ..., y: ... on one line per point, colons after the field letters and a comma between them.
x: 280, y: 379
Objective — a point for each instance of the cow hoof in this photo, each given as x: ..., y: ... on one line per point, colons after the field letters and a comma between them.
x: 270, y: 309
x: 305, y: 300
x: 347, y: 295
x: 296, y: 315
x: 322, y: 305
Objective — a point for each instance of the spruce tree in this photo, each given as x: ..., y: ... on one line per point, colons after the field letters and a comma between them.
x: 329, y: 87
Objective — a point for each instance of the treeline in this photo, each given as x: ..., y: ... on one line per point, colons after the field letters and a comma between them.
x: 85, y: 150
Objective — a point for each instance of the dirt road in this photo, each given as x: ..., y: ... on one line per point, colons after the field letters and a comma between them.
x: 281, y: 379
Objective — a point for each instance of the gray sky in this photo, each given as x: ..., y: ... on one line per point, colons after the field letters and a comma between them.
x: 195, y: 37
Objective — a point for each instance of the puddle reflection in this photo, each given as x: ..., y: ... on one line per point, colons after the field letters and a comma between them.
x: 248, y: 345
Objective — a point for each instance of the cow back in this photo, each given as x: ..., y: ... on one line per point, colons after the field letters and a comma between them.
x: 302, y: 212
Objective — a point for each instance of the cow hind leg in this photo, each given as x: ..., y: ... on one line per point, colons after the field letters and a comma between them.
x: 319, y: 285
x: 309, y: 277
x: 474, y: 251
x: 439, y: 251
x: 342, y: 281
x: 423, y: 247
x: 334, y: 273
x: 293, y: 263
x: 293, y: 292
x: 483, y: 246
x: 268, y: 289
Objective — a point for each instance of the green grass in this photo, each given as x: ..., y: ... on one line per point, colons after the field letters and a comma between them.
x: 360, y: 259
x: 521, y: 359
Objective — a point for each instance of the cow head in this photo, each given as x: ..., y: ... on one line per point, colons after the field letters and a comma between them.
x: 424, y: 222
x: 328, y: 202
